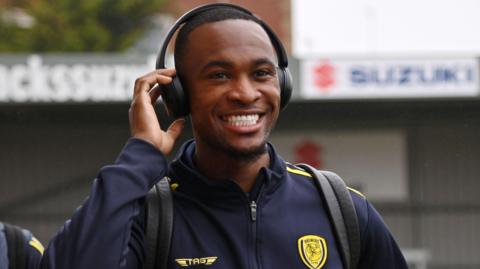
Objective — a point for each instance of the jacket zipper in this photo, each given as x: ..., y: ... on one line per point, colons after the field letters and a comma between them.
x: 253, y: 207
x: 253, y: 204
x: 253, y: 221
x: 253, y: 211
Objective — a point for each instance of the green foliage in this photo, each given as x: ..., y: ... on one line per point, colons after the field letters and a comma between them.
x: 77, y: 25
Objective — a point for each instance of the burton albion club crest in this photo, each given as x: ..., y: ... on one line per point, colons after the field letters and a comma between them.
x: 313, y: 251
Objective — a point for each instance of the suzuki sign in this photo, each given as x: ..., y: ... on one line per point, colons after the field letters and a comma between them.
x: 354, y: 79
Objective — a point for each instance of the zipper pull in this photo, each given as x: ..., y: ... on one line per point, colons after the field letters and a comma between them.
x: 253, y: 211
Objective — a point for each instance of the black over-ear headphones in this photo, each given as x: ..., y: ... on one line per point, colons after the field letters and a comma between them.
x: 173, y: 94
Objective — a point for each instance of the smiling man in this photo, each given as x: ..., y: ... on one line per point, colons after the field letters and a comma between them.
x: 237, y: 203
x: 234, y: 98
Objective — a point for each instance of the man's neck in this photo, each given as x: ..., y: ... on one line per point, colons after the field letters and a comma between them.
x: 221, y: 166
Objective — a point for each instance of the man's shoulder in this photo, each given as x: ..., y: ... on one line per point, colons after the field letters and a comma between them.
x: 299, y: 172
x: 23, y: 241
x: 359, y: 200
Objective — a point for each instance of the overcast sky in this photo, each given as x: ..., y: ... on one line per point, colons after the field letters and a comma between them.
x: 401, y: 27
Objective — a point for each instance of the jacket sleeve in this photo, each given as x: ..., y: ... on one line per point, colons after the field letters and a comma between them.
x: 104, y: 232
x: 34, y: 251
x: 379, y: 249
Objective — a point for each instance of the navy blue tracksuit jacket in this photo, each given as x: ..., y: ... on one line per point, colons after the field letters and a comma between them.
x: 282, y: 223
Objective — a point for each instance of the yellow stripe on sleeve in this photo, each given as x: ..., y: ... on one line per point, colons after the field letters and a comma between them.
x: 298, y: 172
x: 303, y: 173
x: 174, y: 186
x: 357, y: 192
x: 36, y: 244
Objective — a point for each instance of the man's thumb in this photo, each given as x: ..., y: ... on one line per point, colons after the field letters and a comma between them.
x: 175, y: 129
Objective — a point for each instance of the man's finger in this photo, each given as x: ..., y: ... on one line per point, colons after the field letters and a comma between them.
x: 145, y: 83
x: 175, y: 129
x: 170, y: 72
x: 154, y: 93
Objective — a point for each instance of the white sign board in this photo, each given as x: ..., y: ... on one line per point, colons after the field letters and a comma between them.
x: 373, y: 162
x: 353, y: 79
x: 333, y: 27
x: 34, y: 81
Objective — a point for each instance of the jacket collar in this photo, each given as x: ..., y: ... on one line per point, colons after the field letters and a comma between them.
x: 191, y: 182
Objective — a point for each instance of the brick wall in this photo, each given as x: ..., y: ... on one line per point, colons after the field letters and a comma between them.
x: 275, y: 12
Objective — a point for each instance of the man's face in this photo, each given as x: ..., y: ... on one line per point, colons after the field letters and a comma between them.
x: 230, y: 75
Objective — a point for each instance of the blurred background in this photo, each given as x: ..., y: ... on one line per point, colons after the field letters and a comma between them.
x: 386, y: 94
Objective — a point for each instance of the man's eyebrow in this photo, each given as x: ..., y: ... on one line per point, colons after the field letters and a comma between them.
x: 266, y: 61
x: 228, y: 64
x: 217, y: 63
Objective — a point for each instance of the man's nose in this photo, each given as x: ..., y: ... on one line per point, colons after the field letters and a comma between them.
x: 244, y: 90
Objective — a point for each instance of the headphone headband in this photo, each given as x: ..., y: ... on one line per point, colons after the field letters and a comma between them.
x: 281, y: 53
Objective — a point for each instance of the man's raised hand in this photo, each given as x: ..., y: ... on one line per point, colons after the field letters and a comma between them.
x: 144, y: 123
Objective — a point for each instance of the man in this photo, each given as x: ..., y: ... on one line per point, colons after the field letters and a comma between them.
x: 19, y: 249
x: 237, y: 204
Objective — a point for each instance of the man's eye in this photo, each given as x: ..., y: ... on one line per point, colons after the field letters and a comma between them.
x: 219, y: 75
x: 262, y: 73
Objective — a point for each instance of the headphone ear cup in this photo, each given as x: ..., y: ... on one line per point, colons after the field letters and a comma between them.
x: 285, y: 83
x: 174, y: 99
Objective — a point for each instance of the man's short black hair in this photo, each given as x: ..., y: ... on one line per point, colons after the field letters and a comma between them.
x: 207, y: 16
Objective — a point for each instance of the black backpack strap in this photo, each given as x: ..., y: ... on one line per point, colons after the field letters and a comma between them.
x: 159, y: 224
x: 342, y: 213
x: 15, y: 247
x: 349, y: 215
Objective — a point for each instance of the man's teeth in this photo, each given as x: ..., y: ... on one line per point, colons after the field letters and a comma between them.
x: 243, y: 120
